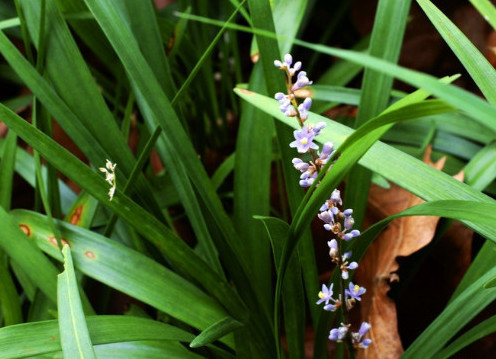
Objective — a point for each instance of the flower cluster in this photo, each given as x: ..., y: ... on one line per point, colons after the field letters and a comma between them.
x: 339, y: 222
x: 110, y: 177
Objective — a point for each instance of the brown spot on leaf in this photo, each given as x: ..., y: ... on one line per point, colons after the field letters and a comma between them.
x: 254, y: 57
x: 25, y: 228
x: 76, y: 215
x: 90, y: 254
x: 53, y: 241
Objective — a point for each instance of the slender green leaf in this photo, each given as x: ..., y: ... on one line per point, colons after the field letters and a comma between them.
x: 277, y: 231
x: 481, y: 169
x: 178, y: 149
x: 479, y: 331
x: 458, y: 313
x: 215, y: 332
x: 385, y: 43
x: 74, y: 336
x: 10, y: 303
x: 7, y: 165
x: 487, y: 10
x: 27, y: 256
x: 480, y: 70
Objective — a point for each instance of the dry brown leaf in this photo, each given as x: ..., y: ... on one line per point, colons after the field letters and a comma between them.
x: 403, y: 237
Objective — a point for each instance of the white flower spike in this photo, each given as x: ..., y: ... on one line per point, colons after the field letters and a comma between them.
x: 110, y: 177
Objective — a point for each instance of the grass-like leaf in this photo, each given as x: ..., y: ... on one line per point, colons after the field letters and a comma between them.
x: 480, y: 70
x: 127, y: 271
x: 74, y: 336
x: 38, y: 338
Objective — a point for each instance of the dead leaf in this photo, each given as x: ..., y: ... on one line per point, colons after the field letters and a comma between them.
x: 403, y: 237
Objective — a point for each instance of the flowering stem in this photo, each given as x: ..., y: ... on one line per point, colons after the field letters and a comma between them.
x: 337, y: 221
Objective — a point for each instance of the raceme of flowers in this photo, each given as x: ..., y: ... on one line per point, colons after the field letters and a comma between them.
x: 109, y: 171
x: 336, y: 221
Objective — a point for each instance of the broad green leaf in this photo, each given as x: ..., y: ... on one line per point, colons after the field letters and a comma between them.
x: 215, y: 332
x: 145, y: 350
x: 74, y: 336
x: 127, y: 271
x: 33, y: 339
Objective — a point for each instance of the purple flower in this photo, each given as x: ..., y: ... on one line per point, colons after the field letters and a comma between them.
x: 336, y: 197
x: 337, y: 334
x: 349, y: 222
x: 345, y: 266
x: 327, y: 151
x: 285, y: 64
x: 333, y: 249
x: 354, y: 233
x: 325, y: 294
x: 300, y: 165
x: 357, y: 337
x: 304, y: 139
x: 354, y: 291
x: 307, y: 182
x: 301, y: 81
x: 304, y: 107
x: 319, y: 127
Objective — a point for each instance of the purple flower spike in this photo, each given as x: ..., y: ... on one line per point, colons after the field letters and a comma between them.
x: 304, y: 140
x: 354, y: 291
